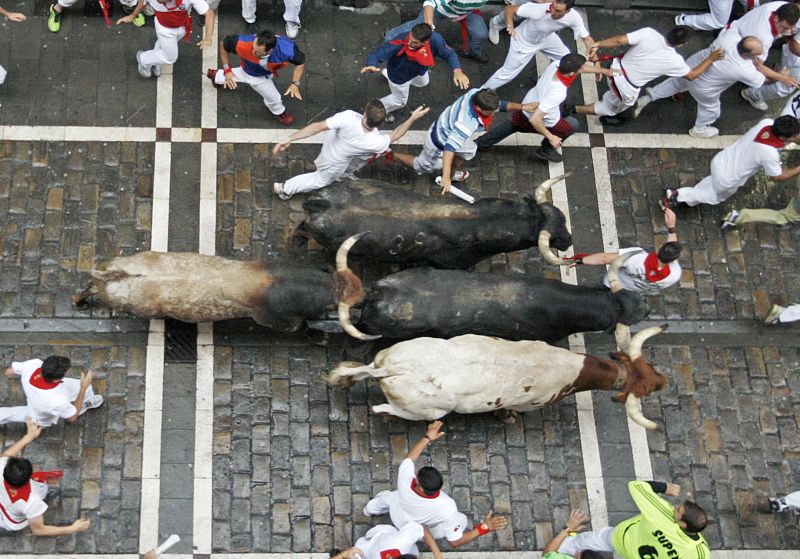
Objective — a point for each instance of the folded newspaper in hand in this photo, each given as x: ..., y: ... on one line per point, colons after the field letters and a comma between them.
x: 457, y: 192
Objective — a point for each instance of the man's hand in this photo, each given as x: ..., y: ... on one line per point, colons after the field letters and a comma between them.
x: 669, y: 218
x: 577, y: 520
x: 716, y: 54
x: 444, y: 182
x: 125, y: 19
x: 673, y: 489
x: 786, y: 78
x: 86, y: 379
x: 34, y: 430
x: 460, y: 79
x: 370, y: 69
x: 16, y: 16
x: 293, y: 91
x: 150, y: 554
x: 555, y: 141
x: 10, y: 372
x: 591, y: 52
x: 419, y: 112
x: 495, y: 522
x: 230, y: 81
x: 82, y: 524
x: 281, y: 146
x: 203, y: 43
x: 512, y: 32
x: 434, y: 431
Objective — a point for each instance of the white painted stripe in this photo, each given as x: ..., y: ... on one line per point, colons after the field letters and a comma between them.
x: 208, y: 198
x: 718, y: 554
x: 164, y: 97
x: 208, y: 116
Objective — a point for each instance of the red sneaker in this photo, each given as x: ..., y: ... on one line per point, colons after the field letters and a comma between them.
x: 211, y: 74
x: 285, y: 118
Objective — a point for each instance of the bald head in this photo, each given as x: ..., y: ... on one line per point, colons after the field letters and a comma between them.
x: 750, y: 47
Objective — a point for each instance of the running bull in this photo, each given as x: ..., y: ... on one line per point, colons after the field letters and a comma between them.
x: 446, y: 303
x: 198, y: 288
x: 408, y: 228
x: 427, y: 378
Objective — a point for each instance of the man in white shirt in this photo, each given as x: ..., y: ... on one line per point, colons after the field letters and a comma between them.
x: 718, y: 16
x: 644, y: 272
x: 733, y: 166
x: 352, y: 141
x: 758, y: 96
x: 387, y: 542
x: 22, y: 495
x: 740, y: 64
x: 649, y: 57
x: 50, y: 396
x: 538, y: 32
x: 420, y: 499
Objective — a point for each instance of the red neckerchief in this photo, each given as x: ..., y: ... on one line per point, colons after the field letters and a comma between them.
x: 39, y: 381
x: 423, y: 495
x: 485, y: 120
x: 175, y: 17
x: 651, y: 270
x: 22, y: 492
x: 772, y: 26
x: 390, y: 553
x: 767, y: 137
x: 422, y: 56
x: 566, y: 80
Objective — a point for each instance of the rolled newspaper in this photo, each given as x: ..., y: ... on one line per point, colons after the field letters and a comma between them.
x: 457, y: 192
x: 169, y: 542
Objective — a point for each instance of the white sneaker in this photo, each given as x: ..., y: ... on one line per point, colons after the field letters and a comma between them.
x: 679, y: 20
x: 757, y: 105
x: 292, y: 29
x: 460, y: 176
x: 641, y: 103
x: 494, y: 34
x: 144, y: 71
x: 773, y: 318
x: 729, y: 221
x: 390, y: 118
x: 277, y: 188
x: 94, y: 402
x: 703, y: 132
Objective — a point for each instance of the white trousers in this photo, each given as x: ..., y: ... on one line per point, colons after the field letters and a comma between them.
x: 19, y: 414
x: 714, y: 189
x: 291, y: 10
x: 165, y: 50
x: 708, y: 105
x: 790, y: 314
x: 520, y: 54
x: 68, y: 3
x: 262, y: 85
x: 398, y: 98
x: 597, y: 540
x: 612, y: 104
x: 717, y: 18
x: 3, y: 74
x: 325, y: 174
x: 430, y: 158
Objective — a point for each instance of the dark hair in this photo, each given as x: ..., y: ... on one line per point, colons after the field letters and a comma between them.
x: 670, y: 252
x: 486, y: 100
x: 54, y: 367
x: 376, y: 113
x: 18, y: 471
x: 744, y: 50
x: 267, y: 39
x: 422, y: 31
x: 789, y: 13
x: 571, y: 63
x: 694, y: 517
x: 785, y: 126
x: 429, y: 479
x: 678, y: 35
x: 567, y: 3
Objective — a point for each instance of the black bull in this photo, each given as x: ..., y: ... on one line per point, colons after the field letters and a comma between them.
x: 446, y: 303
x: 444, y: 232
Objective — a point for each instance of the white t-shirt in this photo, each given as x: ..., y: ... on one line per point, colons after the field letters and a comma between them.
x: 756, y: 23
x: 15, y: 515
x: 724, y: 73
x: 346, y: 139
x: 550, y: 92
x: 440, y: 513
x: 633, y: 276
x: 650, y: 57
x: 539, y: 24
x: 736, y: 163
x: 47, y: 405
x: 385, y: 541
x: 200, y: 6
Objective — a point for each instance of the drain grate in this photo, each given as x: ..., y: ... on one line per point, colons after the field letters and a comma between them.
x: 180, y: 342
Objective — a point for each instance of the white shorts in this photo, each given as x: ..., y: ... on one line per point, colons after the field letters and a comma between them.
x: 430, y: 158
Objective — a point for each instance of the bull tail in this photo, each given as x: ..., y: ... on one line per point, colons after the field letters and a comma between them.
x: 348, y: 373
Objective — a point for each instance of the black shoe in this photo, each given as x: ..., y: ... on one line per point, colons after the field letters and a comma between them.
x: 548, y: 154
x: 478, y: 57
x: 567, y: 109
x: 615, y: 120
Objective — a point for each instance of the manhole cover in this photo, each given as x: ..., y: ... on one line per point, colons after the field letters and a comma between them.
x: 180, y: 342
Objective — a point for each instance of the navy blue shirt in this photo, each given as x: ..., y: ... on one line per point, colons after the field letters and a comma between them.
x: 401, y: 69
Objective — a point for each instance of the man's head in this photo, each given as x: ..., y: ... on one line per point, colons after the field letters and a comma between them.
x: 785, y: 127
x: 486, y: 102
x: 374, y: 114
x: 786, y: 17
x: 670, y: 252
x: 55, y: 367
x: 571, y: 63
x: 679, y: 35
x: 749, y: 48
x: 420, y: 33
x: 18, y: 471
x: 429, y: 479
x: 264, y: 43
x: 691, y: 517
x: 559, y: 8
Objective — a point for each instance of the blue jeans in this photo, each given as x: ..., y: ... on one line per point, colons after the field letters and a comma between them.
x: 476, y: 26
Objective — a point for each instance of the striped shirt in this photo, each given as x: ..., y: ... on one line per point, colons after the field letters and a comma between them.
x: 456, y: 124
x: 455, y: 8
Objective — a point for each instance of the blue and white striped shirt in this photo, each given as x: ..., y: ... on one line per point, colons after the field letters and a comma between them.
x: 457, y: 123
x: 455, y: 8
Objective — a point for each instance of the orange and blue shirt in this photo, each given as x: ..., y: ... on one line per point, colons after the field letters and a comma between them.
x: 284, y: 52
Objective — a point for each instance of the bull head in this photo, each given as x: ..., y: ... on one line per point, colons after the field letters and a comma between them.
x: 348, y: 288
x: 554, y: 233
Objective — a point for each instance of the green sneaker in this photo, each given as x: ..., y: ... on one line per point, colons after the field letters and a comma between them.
x: 54, y: 19
x: 138, y: 21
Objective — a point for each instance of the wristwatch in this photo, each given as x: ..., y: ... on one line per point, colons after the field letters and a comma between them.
x: 296, y: 82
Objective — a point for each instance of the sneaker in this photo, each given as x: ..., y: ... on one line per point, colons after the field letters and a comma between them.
x: 757, y: 105
x: 460, y: 176
x: 641, y: 103
x: 94, y: 402
x: 494, y: 34
x: 277, y: 188
x: 390, y: 118
x: 143, y: 70
x: 139, y: 21
x: 156, y: 71
x: 477, y: 57
x: 54, y: 19
x: 703, y: 132
x: 292, y: 29
x: 729, y: 221
x: 212, y: 74
x: 670, y: 200
x: 614, y: 121
x: 285, y: 118
x: 772, y: 318
x: 249, y: 21
x: 679, y: 19
x: 548, y: 154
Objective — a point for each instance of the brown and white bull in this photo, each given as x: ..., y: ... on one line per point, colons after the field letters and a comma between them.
x: 427, y: 378
x: 198, y: 288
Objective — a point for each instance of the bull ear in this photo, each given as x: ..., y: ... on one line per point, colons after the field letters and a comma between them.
x: 530, y: 200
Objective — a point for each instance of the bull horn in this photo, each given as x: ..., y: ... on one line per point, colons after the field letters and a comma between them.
x: 544, y: 249
x: 634, y: 349
x: 613, y: 270
x: 622, y: 335
x: 344, y: 320
x: 344, y: 248
x: 540, y: 194
x: 633, y: 406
